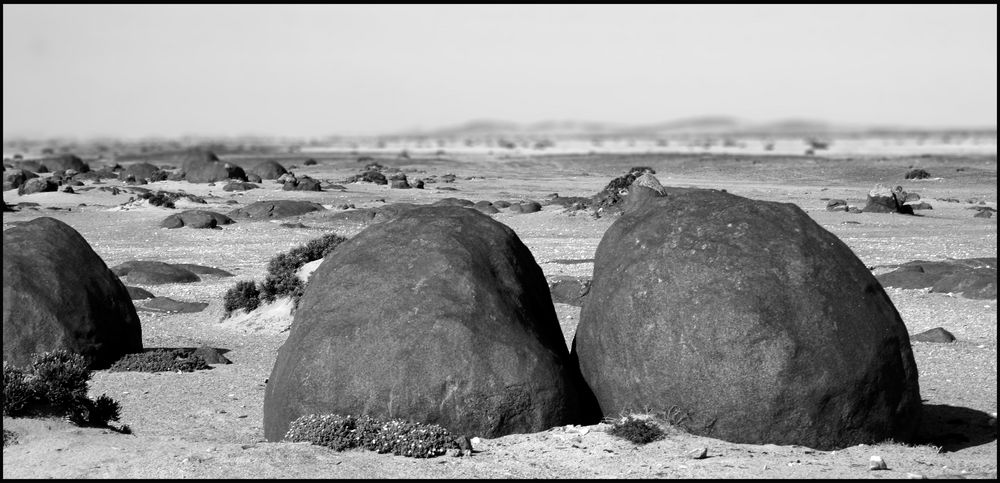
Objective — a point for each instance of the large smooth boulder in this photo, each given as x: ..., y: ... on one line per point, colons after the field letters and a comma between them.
x: 438, y: 316
x: 196, y: 219
x: 148, y: 272
x: 59, y: 294
x: 748, y: 319
x: 205, y: 167
x: 263, y: 210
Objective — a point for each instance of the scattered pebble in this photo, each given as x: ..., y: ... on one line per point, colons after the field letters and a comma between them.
x: 914, y: 476
x: 697, y: 453
x: 877, y: 463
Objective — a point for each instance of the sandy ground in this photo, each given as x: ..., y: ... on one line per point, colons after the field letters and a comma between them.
x: 208, y: 424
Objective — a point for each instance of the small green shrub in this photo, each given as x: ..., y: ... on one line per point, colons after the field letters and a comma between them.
x: 402, y: 438
x: 87, y: 412
x: 17, y: 390
x: 281, y: 279
x: 160, y: 360
x: 55, y: 384
x: 244, y: 295
x: 60, y: 377
x: 638, y: 431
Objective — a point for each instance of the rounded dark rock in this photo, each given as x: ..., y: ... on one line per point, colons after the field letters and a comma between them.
x: 453, y: 202
x: 569, y: 290
x: 211, y: 355
x: 37, y: 185
x: 203, y: 270
x: 168, y: 305
x: 262, y: 210
x: 749, y: 319
x: 153, y: 273
x: 235, y: 185
x: 269, y: 169
x: 526, y: 207
x: 438, y: 316
x: 14, y: 178
x: 196, y: 219
x: 136, y: 293
x: 974, y: 278
x: 937, y: 335
x: 306, y: 183
x: 205, y: 167
x: 59, y: 294
x: 140, y: 171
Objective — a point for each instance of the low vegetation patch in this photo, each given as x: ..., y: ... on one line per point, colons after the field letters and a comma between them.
x: 160, y: 360
x: 244, y: 295
x: 638, y: 431
x: 401, y: 438
x: 55, y: 384
x: 281, y: 279
x: 9, y: 437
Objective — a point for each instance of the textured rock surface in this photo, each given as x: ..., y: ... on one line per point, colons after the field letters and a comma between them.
x: 59, y: 293
x: 439, y: 316
x: 749, y: 318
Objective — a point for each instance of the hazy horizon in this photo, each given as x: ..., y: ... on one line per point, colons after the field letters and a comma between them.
x: 89, y: 71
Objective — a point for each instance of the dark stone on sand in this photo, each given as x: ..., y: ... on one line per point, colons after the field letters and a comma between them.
x: 464, y: 335
x: 153, y: 273
x: 937, y: 335
x: 264, y: 210
x: 59, y: 294
x: 706, y: 302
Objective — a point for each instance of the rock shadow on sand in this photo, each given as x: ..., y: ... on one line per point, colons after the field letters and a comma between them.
x: 954, y: 428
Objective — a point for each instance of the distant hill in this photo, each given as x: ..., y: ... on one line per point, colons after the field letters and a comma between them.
x: 704, y: 125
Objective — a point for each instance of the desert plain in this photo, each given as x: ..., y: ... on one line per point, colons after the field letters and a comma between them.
x: 208, y: 423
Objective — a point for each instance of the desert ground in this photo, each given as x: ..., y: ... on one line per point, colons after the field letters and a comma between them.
x: 208, y: 424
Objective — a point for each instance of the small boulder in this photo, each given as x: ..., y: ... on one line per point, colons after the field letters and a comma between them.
x: 917, y: 173
x: 37, y: 185
x: 836, y: 205
x: 136, y: 293
x: 153, y: 273
x: 269, y: 169
x: 211, y: 355
x: 196, y: 219
x: 170, y: 306
x: 881, y: 199
x: 264, y: 210
x: 239, y: 186
x: 14, y: 178
x: 937, y: 334
x: 205, y: 167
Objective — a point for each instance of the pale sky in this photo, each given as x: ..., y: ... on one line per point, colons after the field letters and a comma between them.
x: 316, y: 70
